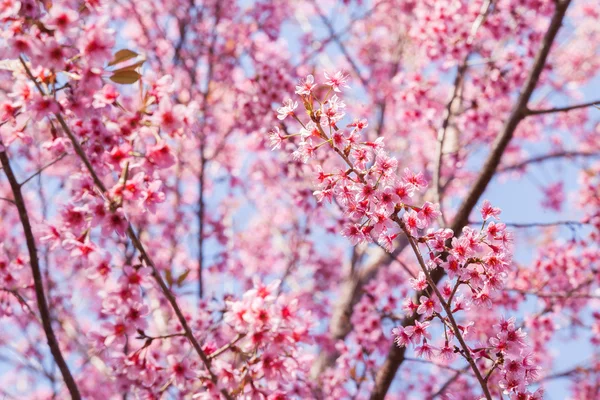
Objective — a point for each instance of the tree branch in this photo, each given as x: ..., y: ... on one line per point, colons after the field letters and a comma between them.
x: 37, y: 278
x: 562, y: 109
x: 466, y: 351
x: 39, y: 171
x: 341, y: 45
x: 538, y: 224
x: 136, y: 243
x: 203, y: 158
x: 546, y: 157
x: 395, y: 356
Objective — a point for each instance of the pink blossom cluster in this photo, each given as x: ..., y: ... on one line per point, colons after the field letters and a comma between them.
x: 371, y: 196
x: 152, y: 244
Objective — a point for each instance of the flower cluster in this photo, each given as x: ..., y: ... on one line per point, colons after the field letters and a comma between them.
x: 367, y: 189
x: 377, y: 204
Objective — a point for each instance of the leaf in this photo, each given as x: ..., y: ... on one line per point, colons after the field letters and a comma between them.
x: 125, y: 77
x: 182, y: 277
x: 169, y: 277
x: 122, y: 55
x: 131, y: 67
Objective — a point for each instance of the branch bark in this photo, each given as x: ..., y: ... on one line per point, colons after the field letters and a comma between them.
x: 37, y: 278
x: 562, y: 109
x: 203, y: 159
x: 546, y: 157
x: 395, y: 356
x: 135, y: 240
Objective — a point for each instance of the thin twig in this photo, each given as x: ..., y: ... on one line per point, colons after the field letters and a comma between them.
x: 537, y: 224
x: 341, y: 45
x: 562, y: 109
x: 7, y: 200
x: 457, y: 333
x: 447, y: 384
x: 39, y: 171
x: 226, y: 347
x: 546, y: 157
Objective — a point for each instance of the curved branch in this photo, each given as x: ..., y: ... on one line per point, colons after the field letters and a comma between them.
x: 562, y: 109
x: 37, y: 278
x: 538, y: 224
x: 340, y: 44
x: 135, y: 240
x: 546, y: 157
x: 39, y: 171
x: 395, y: 356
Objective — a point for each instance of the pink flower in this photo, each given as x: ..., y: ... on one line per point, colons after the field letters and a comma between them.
x: 275, y: 138
x: 96, y: 45
x: 54, y: 55
x: 425, y: 350
x: 41, y: 106
x: 419, y: 283
x: 152, y: 196
x: 287, y: 109
x: 387, y: 241
x: 417, y: 181
x: 107, y: 96
x: 402, y: 337
x: 413, y: 222
x: 305, y: 151
x: 306, y: 86
x: 428, y: 305
x: 404, y: 191
x: 488, y: 211
x: 136, y: 314
x: 115, y: 222
x: 554, y: 196
x: 418, y: 331
x: 336, y: 80
x: 168, y: 117
x: 60, y: 18
x: 354, y: 233
x: 160, y: 155
x: 429, y: 212
x: 180, y: 371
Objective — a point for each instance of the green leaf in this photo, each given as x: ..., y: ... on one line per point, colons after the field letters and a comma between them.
x: 182, y: 277
x: 122, y: 55
x: 125, y: 77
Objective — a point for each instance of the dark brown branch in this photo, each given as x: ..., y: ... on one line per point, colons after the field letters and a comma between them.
x: 538, y: 224
x: 395, y: 356
x: 547, y: 157
x: 562, y: 109
x: 135, y: 240
x: 37, y: 279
